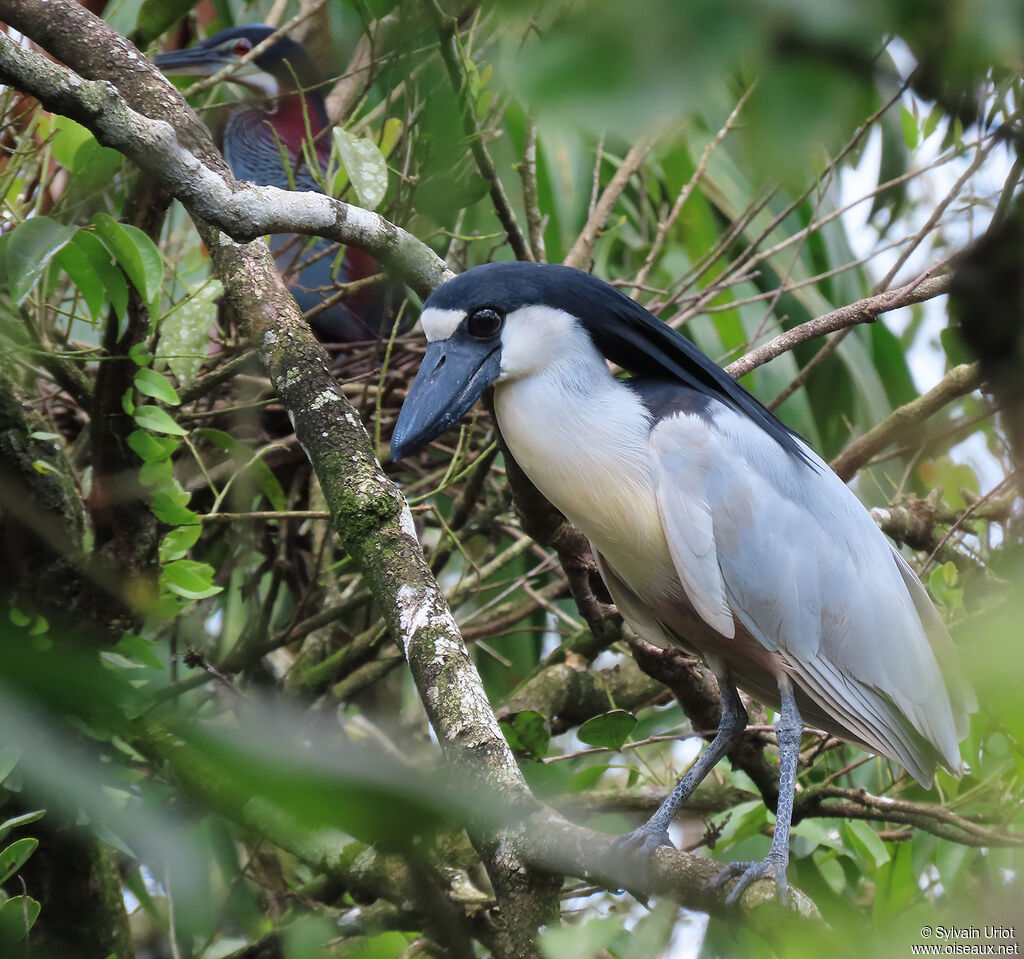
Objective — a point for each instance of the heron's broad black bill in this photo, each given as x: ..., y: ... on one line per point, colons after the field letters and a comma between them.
x: 192, y: 61
x: 451, y: 378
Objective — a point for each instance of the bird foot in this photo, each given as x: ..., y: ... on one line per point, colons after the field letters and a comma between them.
x: 642, y: 841
x: 635, y: 850
x: 772, y: 867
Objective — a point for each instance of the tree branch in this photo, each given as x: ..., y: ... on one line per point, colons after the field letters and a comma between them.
x: 956, y: 383
x: 205, y: 186
x: 581, y: 255
x: 863, y: 311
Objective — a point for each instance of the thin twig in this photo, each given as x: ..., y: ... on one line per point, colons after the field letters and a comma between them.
x: 528, y: 174
x: 956, y: 383
x: 581, y: 255
x: 684, y: 194
x: 863, y: 311
x: 451, y: 53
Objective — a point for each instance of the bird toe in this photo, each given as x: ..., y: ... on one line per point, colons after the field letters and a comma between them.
x: 749, y: 872
x: 642, y: 841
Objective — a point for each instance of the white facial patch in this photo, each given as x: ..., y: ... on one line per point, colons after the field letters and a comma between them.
x: 440, y: 324
x: 265, y: 83
x: 536, y: 337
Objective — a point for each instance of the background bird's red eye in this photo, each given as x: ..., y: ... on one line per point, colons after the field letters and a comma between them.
x: 242, y: 47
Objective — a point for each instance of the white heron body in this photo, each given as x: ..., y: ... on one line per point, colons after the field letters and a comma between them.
x: 713, y: 537
x: 715, y: 527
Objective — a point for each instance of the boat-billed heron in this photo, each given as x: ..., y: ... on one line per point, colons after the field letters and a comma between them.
x: 715, y: 527
x: 272, y: 142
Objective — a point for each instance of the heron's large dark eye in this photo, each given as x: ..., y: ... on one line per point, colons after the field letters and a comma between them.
x: 242, y: 47
x: 485, y: 323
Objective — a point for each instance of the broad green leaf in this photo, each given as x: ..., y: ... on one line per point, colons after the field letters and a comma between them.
x: 189, y: 579
x: 365, y: 165
x: 528, y: 732
x: 14, y: 857
x: 952, y: 477
x: 136, y: 252
x: 140, y: 650
x: 158, y: 474
x: 17, y: 916
x: 610, y: 730
x: 861, y: 837
x: 32, y: 245
x: 244, y: 456
x: 588, y: 939
x: 67, y: 138
x: 9, y: 755
x: 158, y: 420
x: 177, y: 543
x: 171, y: 510
x: 831, y: 869
x: 157, y: 16
x: 110, y: 276
x: 150, y: 448
x: 23, y: 820
x: 821, y: 834
x: 911, y: 132
x: 586, y: 778
x: 72, y: 260
x: 156, y: 385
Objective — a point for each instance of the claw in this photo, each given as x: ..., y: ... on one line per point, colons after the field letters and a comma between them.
x: 642, y: 841
x: 770, y: 868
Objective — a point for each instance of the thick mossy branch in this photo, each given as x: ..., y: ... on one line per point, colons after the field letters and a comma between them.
x: 140, y: 114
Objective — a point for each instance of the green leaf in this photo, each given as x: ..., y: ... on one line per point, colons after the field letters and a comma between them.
x: 952, y: 477
x: 158, y: 420
x: 189, y: 579
x: 139, y: 650
x: 17, y: 916
x: 73, y: 261
x: 158, y: 475
x: 14, y: 856
x: 245, y: 457
x: 610, y: 730
x: 171, y: 510
x: 9, y: 755
x: 68, y: 137
x: 135, y: 252
x: 185, y: 331
x: 528, y: 732
x: 911, y: 133
x: 365, y: 165
x: 150, y: 448
x: 156, y: 385
x: 177, y: 543
x: 862, y: 838
x: 23, y: 820
x: 109, y: 275
x: 33, y: 244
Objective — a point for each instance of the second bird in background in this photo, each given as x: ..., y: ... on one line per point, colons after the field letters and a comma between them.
x: 269, y: 141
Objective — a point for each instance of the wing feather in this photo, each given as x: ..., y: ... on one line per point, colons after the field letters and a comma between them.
x: 794, y: 556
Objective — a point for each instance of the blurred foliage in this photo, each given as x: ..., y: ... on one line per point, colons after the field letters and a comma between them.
x: 192, y: 671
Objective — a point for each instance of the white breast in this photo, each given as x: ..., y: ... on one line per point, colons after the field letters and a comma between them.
x: 582, y: 438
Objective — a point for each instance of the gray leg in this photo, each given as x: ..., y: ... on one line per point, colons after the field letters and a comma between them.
x: 788, y: 731
x: 654, y: 832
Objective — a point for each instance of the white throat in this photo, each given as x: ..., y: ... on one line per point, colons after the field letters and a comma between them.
x: 582, y: 437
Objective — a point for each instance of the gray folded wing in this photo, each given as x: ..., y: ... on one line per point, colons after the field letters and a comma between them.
x: 789, y: 551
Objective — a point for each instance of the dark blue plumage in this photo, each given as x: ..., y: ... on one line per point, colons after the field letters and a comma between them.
x: 621, y: 329
x: 268, y: 143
